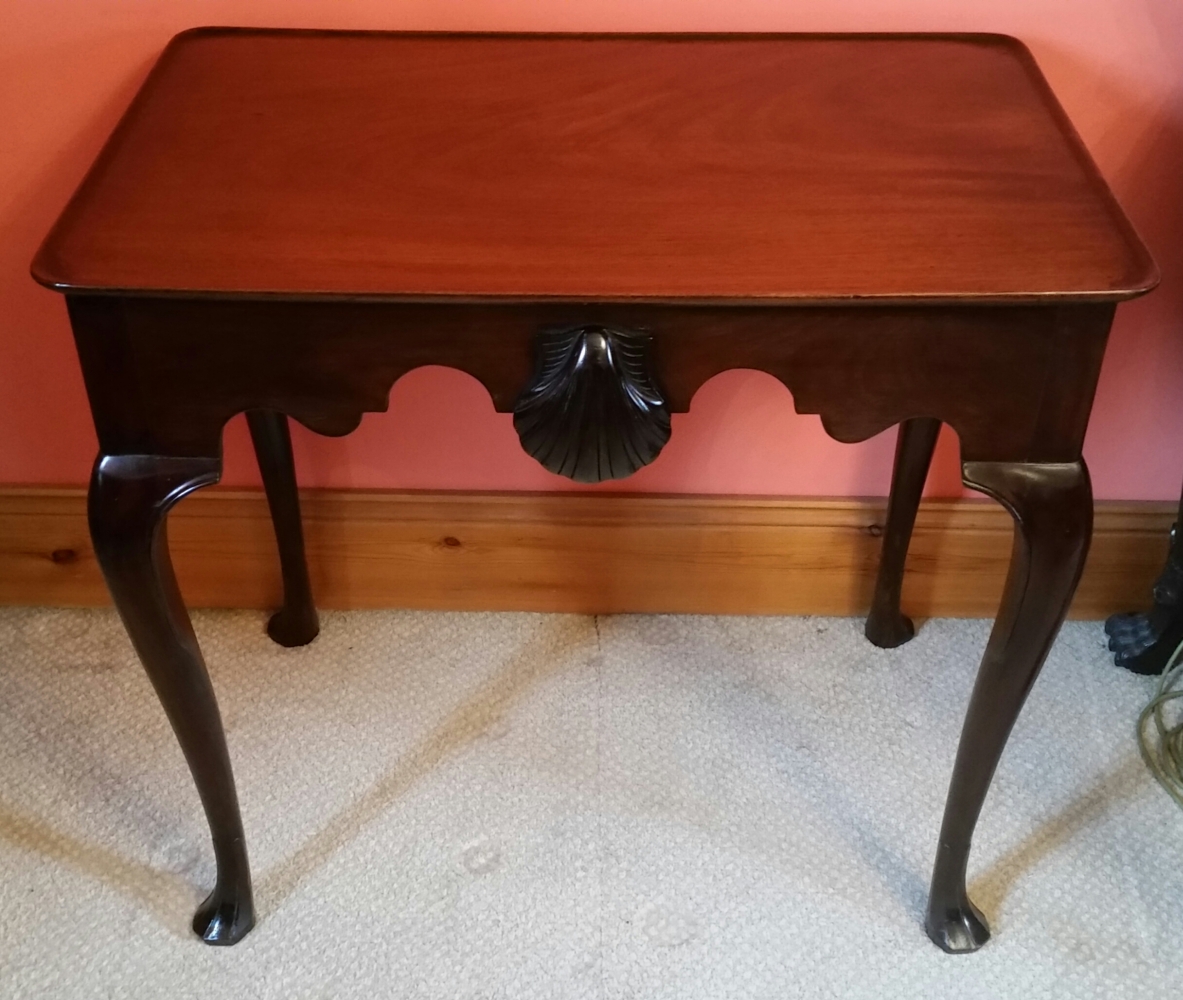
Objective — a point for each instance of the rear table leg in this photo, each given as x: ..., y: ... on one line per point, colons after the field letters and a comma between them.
x: 886, y: 625
x: 296, y: 623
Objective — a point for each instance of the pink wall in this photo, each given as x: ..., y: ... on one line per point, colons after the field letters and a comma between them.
x: 68, y: 68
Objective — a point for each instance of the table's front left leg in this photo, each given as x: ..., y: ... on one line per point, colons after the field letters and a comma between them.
x: 130, y: 496
x: 296, y: 623
x: 1053, y: 511
x: 887, y: 626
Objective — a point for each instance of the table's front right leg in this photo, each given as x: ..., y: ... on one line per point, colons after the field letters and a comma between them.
x: 1052, y: 506
x: 130, y: 496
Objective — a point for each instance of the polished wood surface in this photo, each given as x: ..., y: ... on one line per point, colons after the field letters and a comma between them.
x: 1014, y: 383
x: 887, y: 626
x: 1017, y: 382
x: 581, y: 553
x: 296, y: 622
x: 1052, y: 505
x: 133, y: 551
x: 596, y: 167
x: 899, y: 228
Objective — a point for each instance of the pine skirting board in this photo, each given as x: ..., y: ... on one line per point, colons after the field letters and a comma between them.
x: 576, y: 552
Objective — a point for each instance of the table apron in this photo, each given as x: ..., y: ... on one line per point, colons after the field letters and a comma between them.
x: 164, y: 374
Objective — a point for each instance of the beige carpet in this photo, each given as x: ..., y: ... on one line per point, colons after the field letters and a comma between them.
x: 521, y: 806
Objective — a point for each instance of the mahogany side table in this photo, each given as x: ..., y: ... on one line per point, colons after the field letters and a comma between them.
x: 901, y: 228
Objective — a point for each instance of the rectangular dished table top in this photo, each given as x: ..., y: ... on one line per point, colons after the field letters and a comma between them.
x: 792, y: 168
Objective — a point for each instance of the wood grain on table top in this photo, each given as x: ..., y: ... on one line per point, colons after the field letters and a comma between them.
x: 723, y: 168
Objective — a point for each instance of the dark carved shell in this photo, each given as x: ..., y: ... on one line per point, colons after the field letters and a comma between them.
x: 592, y: 411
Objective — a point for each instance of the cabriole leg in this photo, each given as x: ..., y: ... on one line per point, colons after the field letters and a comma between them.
x: 296, y: 623
x: 1052, y: 507
x: 887, y: 626
x: 130, y: 496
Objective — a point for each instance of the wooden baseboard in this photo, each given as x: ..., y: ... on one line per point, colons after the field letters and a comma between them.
x: 582, y: 553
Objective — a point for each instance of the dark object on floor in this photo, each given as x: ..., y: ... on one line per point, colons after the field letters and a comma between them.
x: 1144, y: 642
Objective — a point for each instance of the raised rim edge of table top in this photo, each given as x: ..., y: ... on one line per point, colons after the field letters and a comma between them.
x: 1147, y: 267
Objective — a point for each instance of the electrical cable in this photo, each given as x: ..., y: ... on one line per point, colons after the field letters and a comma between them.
x: 1164, y: 757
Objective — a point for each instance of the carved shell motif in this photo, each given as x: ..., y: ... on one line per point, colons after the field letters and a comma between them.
x: 592, y: 411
